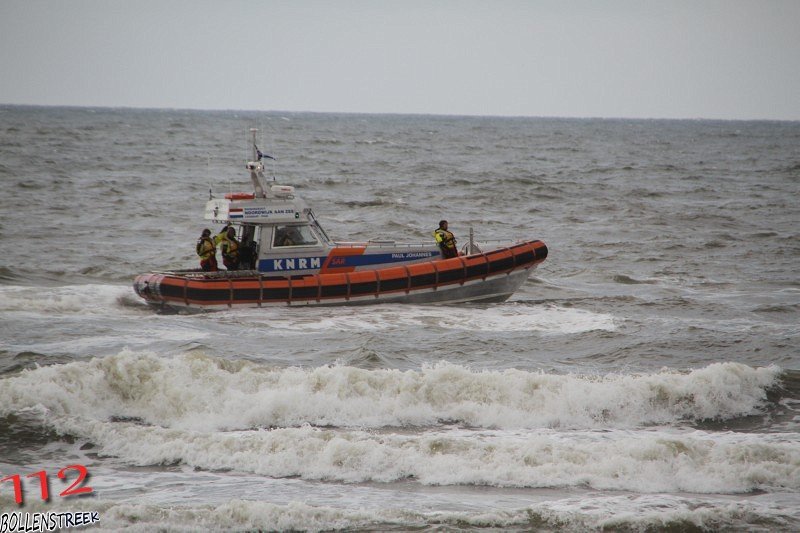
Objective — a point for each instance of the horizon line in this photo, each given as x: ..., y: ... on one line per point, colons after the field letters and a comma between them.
x: 392, y: 113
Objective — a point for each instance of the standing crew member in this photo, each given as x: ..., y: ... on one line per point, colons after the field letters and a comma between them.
x: 445, y: 240
x: 219, y: 237
x: 230, y: 250
x: 207, y: 251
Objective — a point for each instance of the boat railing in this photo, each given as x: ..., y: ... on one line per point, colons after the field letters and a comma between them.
x: 394, y: 244
x: 482, y: 246
x: 197, y: 273
x: 380, y: 244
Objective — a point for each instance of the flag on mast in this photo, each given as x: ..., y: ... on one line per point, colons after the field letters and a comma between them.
x: 260, y: 154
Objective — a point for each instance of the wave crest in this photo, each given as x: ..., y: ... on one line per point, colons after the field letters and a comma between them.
x: 198, y: 392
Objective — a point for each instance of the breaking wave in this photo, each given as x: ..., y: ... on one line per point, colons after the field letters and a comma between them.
x: 644, y: 461
x: 196, y: 392
x: 619, y: 513
x: 441, y: 425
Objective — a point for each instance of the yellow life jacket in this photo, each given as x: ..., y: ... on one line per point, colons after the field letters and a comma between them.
x: 444, y: 238
x: 221, y: 236
x: 205, y: 248
x: 230, y: 248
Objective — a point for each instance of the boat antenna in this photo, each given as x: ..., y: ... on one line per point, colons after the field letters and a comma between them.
x: 254, y: 156
x: 256, y: 167
x: 208, y: 175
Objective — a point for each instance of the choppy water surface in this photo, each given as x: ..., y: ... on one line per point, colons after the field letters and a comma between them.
x: 647, y: 375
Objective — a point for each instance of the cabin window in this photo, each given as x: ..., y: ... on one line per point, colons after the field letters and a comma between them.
x: 293, y: 236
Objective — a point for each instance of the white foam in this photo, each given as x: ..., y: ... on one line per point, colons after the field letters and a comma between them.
x: 642, y: 461
x: 589, y: 512
x: 194, y: 391
x: 97, y: 299
x: 94, y: 299
x: 663, y: 511
x: 510, y: 317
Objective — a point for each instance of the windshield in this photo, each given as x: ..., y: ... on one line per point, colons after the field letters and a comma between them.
x: 293, y: 236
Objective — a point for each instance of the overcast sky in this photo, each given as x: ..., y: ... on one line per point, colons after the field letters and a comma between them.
x: 733, y: 59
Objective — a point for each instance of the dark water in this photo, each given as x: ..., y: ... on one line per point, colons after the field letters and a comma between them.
x: 646, y: 377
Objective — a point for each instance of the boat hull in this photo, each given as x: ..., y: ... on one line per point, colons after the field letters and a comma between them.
x: 486, y: 277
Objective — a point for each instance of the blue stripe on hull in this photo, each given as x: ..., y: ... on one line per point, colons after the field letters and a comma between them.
x: 291, y: 264
x: 380, y: 259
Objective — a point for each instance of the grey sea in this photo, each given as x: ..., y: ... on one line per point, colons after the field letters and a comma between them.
x: 646, y: 377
